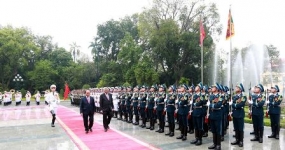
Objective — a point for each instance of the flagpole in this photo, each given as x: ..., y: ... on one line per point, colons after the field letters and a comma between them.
x: 230, y: 84
x: 202, y: 57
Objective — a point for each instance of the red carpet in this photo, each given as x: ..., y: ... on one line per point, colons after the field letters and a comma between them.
x: 72, y: 122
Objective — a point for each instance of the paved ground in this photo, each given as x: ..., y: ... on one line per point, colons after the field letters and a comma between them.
x: 29, y: 129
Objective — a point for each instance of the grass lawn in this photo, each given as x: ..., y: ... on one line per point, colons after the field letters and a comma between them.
x: 266, y: 120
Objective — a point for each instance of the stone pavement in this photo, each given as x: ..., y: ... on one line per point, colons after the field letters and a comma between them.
x: 29, y: 129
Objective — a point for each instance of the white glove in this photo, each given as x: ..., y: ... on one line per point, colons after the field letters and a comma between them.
x: 176, y: 111
x: 267, y: 102
x: 191, y: 102
x: 250, y: 102
x: 230, y: 103
x: 231, y: 113
x: 154, y: 107
x: 208, y: 103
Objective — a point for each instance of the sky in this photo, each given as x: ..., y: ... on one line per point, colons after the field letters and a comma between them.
x: 67, y: 21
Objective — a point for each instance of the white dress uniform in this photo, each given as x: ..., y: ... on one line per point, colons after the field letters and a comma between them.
x: 28, y: 98
x: 53, y: 100
x: 18, y: 98
x: 6, y: 98
x: 38, y: 98
x: 1, y: 98
x: 46, y: 98
x: 115, y: 101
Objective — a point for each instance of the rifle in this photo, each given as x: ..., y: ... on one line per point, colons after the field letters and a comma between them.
x: 230, y: 108
x: 208, y: 109
x: 267, y: 105
x: 249, y: 97
x: 189, y: 115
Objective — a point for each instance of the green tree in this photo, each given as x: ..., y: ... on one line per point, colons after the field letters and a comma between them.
x: 43, y: 75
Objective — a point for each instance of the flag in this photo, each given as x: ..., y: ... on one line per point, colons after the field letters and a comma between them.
x: 230, y: 29
x: 202, y: 33
x: 66, y: 91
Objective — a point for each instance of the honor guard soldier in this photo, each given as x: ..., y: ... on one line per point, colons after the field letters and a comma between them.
x: 38, y: 98
x: 258, y: 101
x: 223, y: 108
x: 170, y: 109
x: 46, y: 97
x: 129, y: 108
x: 183, y: 110
x: 226, y: 108
x: 142, y: 105
x: 274, y: 111
x: 135, y: 105
x: 28, y: 98
x: 120, y: 97
x: 190, y: 119
x: 18, y: 98
x: 151, y: 110
x: 205, y: 95
x: 53, y: 100
x: 1, y: 98
x: 237, y: 104
x: 216, y: 116
x: 123, y: 104
x: 197, y: 114
x: 115, y: 101
x: 160, y: 105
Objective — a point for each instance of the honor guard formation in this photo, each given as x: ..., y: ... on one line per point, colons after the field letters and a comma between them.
x: 194, y: 109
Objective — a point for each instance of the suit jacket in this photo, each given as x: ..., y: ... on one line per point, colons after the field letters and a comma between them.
x: 105, y: 104
x: 86, y: 107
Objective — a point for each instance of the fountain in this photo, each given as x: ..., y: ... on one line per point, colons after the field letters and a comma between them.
x: 251, y: 66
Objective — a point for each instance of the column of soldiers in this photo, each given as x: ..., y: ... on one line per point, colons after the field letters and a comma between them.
x: 7, y: 96
x: 197, y: 109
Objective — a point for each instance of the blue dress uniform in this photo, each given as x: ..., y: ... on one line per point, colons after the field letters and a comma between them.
x: 190, y: 119
x: 142, y: 107
x: 160, y: 110
x: 238, y: 103
x: 150, y: 109
x: 224, y: 111
x: 123, y: 105
x: 135, y: 106
x: 129, y: 108
x: 216, y: 117
x: 205, y: 96
x: 120, y: 97
x: 183, y: 110
x: 226, y: 108
x: 258, y: 114
x: 170, y: 109
x: 274, y: 111
x: 198, y: 117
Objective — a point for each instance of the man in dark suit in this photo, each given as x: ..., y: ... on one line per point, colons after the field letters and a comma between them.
x: 107, y: 106
x: 87, y: 109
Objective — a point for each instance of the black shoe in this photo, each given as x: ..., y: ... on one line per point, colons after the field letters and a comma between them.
x: 143, y: 126
x: 222, y: 138
x: 161, y: 131
x: 199, y: 142
x: 177, y: 129
x: 171, y: 134
x: 90, y: 130
x: 212, y: 146
x: 254, y: 139
x: 52, y: 125
x: 152, y: 128
x: 191, y: 132
x: 260, y: 140
x: 236, y: 142
x: 205, y: 134
x: 119, y: 118
x: 104, y: 130
x: 86, y: 132
x: 234, y: 135
x: 135, y: 123
x: 251, y: 132
x: 179, y: 137
x: 167, y: 133
x: 184, y: 138
x: 271, y: 136
x: 194, y: 141
x: 277, y: 136
x: 218, y: 147
x: 158, y: 130
x: 240, y: 144
x: 148, y: 127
